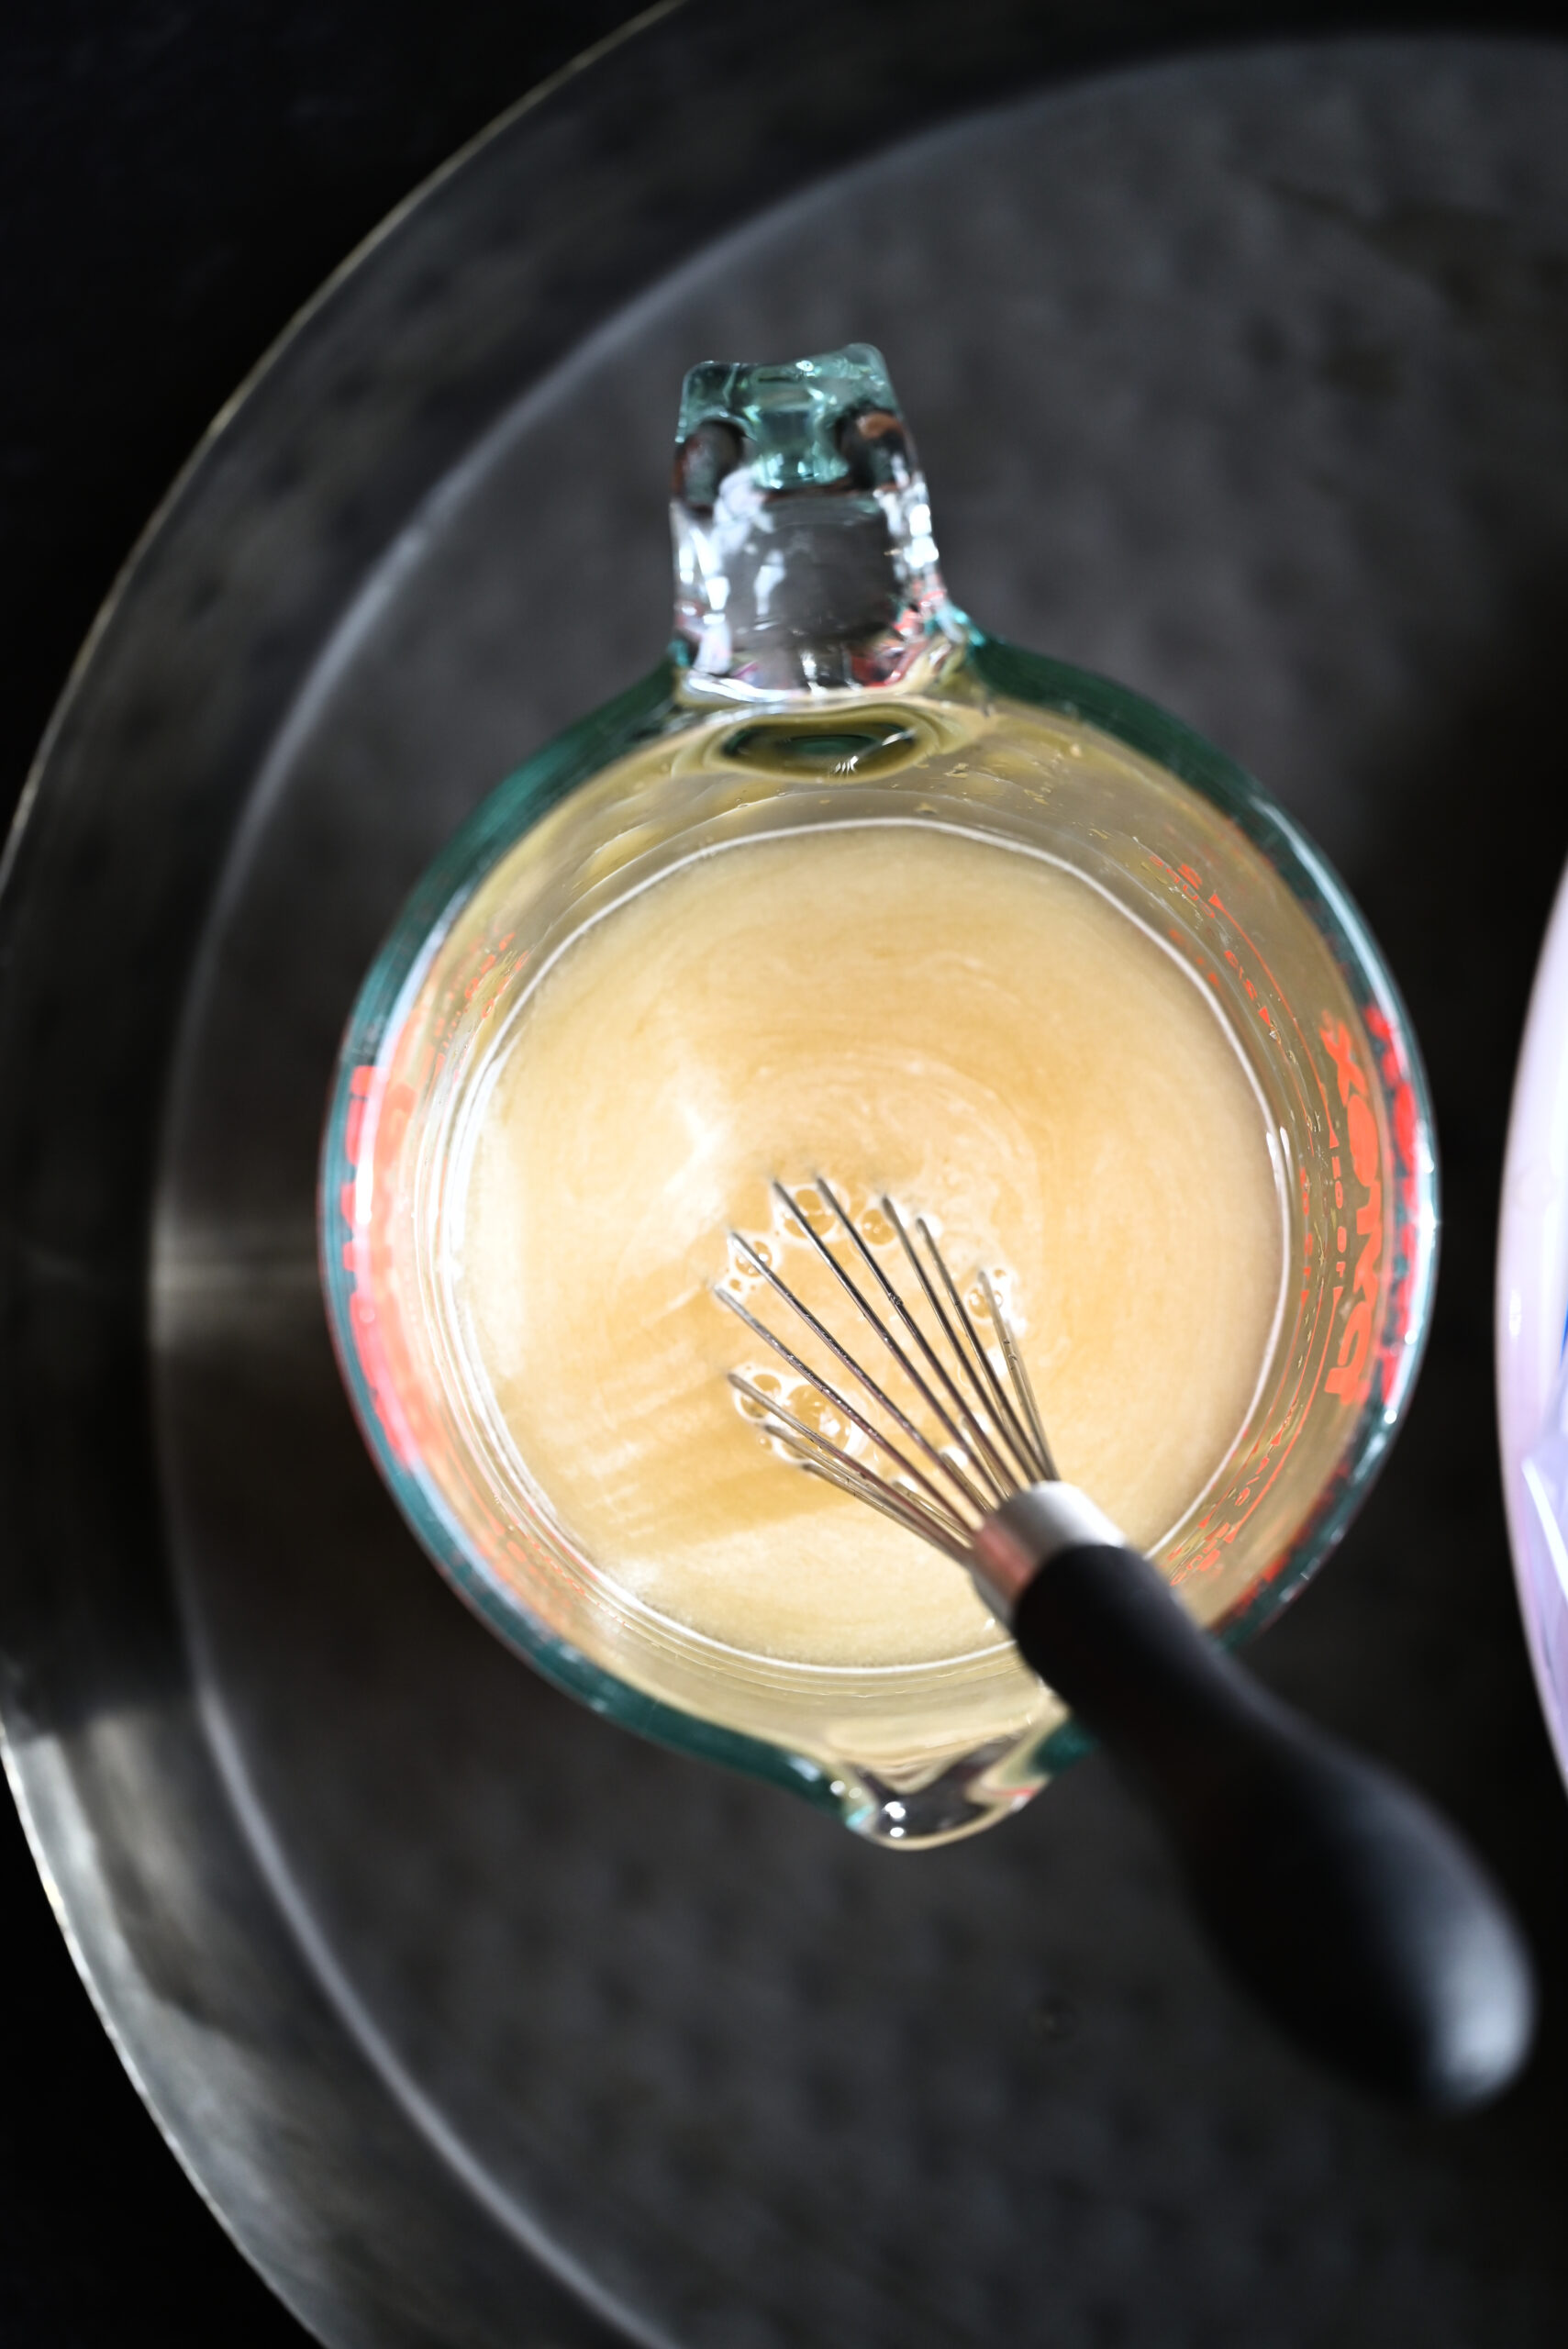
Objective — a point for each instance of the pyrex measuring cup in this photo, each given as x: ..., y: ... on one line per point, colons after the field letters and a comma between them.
x: 821, y: 679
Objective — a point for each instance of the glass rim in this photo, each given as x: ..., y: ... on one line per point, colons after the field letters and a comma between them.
x: 538, y: 785
x: 1144, y: 726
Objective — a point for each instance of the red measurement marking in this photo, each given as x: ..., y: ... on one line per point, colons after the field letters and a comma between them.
x: 1348, y: 1380
x: 1340, y: 1045
x: 1362, y: 1127
x: 471, y: 989
x: 1369, y: 1223
x: 1296, y: 1410
x: 1405, y: 1123
x: 1191, y: 882
x: 1351, y: 1375
x: 374, y: 1109
x: 1269, y: 1572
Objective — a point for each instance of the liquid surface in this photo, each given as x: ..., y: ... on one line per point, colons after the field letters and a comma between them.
x: 975, y: 1031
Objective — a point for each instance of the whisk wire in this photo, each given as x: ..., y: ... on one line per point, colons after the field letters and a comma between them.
x: 976, y: 1351
x: 960, y: 1431
x: 1019, y: 1376
x: 799, y: 1432
x: 828, y: 1460
x: 841, y: 1402
x: 985, y: 1385
x: 984, y: 1433
x: 968, y: 1432
x: 870, y: 1488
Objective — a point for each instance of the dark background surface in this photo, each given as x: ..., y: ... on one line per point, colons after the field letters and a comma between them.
x: 174, y: 182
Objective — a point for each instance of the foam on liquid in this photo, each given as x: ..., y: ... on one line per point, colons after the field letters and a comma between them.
x: 973, y: 1031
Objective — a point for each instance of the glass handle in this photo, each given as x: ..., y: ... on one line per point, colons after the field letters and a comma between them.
x: 805, y: 561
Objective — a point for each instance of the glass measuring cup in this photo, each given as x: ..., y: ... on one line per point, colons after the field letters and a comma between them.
x: 820, y: 679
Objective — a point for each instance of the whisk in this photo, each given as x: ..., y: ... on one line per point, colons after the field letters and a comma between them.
x: 1352, y: 1913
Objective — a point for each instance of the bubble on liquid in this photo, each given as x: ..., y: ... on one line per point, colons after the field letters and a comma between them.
x: 775, y: 1394
x: 874, y: 1228
x: 815, y: 1211
x: 1004, y: 1288
x: 814, y: 1410
x: 742, y: 1275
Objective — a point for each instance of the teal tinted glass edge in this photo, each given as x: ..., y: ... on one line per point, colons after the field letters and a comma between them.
x: 1144, y: 726
x: 645, y: 709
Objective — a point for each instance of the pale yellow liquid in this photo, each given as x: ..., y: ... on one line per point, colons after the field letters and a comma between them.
x: 971, y: 1028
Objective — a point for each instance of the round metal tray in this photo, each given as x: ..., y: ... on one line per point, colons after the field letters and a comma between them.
x: 1239, y: 376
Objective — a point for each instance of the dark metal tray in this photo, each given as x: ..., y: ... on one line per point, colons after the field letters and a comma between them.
x: 1241, y: 375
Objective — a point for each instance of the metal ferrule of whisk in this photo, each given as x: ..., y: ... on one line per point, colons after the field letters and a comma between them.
x: 959, y: 1455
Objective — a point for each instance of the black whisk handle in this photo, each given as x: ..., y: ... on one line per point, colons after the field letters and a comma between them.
x: 1354, y: 1914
